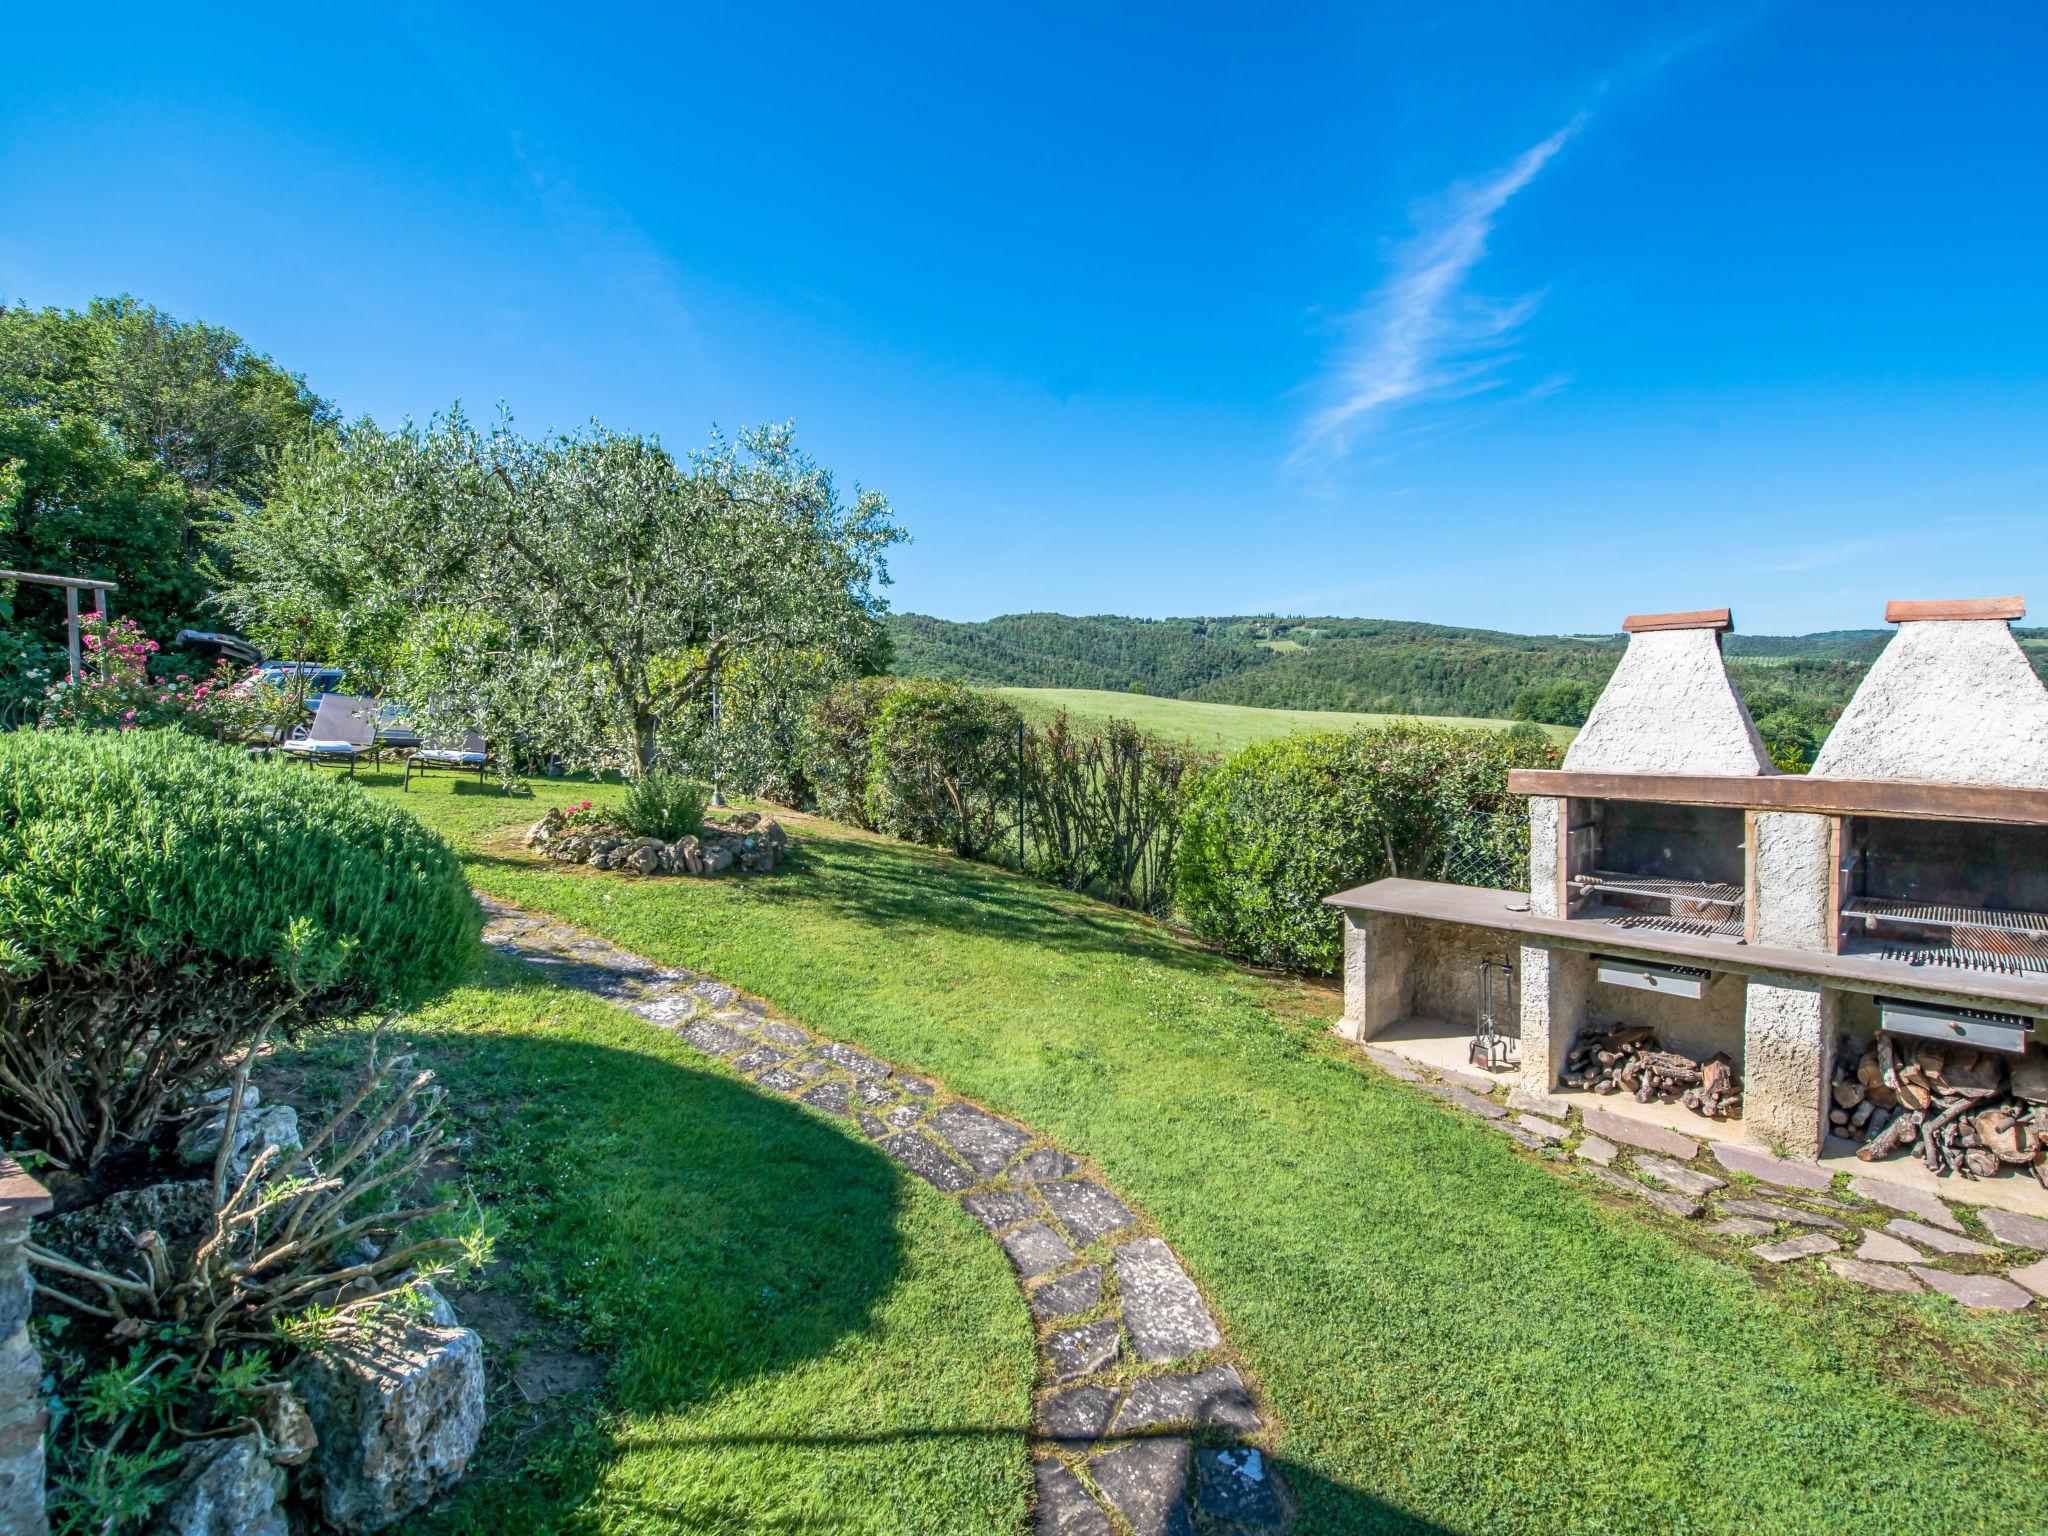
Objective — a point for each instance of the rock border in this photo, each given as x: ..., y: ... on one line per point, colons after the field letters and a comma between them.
x: 1758, y: 1196
x: 1140, y: 1406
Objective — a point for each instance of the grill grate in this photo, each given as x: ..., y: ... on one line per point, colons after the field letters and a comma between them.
x: 1706, y: 893
x: 1963, y: 938
x: 2032, y: 924
x: 1697, y: 927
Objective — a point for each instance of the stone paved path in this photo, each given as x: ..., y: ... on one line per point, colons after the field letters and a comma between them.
x: 1141, y: 1407
x: 1775, y: 1199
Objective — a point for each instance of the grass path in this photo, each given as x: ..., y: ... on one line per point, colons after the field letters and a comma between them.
x: 1219, y: 727
x: 1451, y: 1334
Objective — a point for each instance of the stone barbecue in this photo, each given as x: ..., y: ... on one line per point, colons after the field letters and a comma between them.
x: 1859, y: 953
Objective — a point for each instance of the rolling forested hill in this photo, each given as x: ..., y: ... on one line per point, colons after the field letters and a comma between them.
x: 1369, y: 665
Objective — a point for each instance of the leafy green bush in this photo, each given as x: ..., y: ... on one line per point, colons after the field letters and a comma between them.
x: 839, y: 748
x: 663, y: 805
x: 1270, y: 833
x: 165, y: 901
x: 944, y: 766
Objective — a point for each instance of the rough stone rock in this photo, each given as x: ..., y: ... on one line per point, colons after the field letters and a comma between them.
x: 1235, y: 1486
x: 856, y: 1062
x: 1164, y: 1312
x: 1215, y: 1397
x: 832, y: 1097
x: 271, y: 1125
x: 1392, y: 1065
x: 783, y: 1033
x: 1536, y: 1102
x: 1078, y: 1292
x: 1878, y: 1277
x: 1465, y: 1099
x: 715, y: 1039
x: 1077, y: 1417
x: 1000, y: 1208
x: 1597, y: 1149
x: 1878, y: 1248
x: 1922, y: 1203
x: 1036, y: 1249
x: 1087, y: 1211
x: 646, y: 859
x: 921, y: 1157
x: 905, y: 1115
x: 1741, y: 1226
x: 1147, y: 1482
x: 398, y: 1411
x: 666, y: 1009
x: 1635, y: 1133
x: 983, y: 1142
x: 1980, y: 1293
x: 1044, y: 1163
x: 224, y: 1488
x: 717, y: 860
x: 1683, y: 1206
x: 2014, y: 1228
x: 1064, y: 1507
x: 179, y: 1212
x: 1543, y: 1130
x: 715, y: 994
x: 1771, y: 1210
x: 1805, y: 1246
x: 1077, y: 1352
x: 874, y: 1094
x: 871, y: 1125
x: 1771, y: 1170
x: 2034, y: 1277
x: 1475, y: 1082
x: 781, y: 1079
x: 1936, y: 1238
x: 1678, y: 1176
x: 760, y: 1058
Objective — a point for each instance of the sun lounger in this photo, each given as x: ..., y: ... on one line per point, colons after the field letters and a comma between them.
x: 344, y: 729
x: 472, y: 753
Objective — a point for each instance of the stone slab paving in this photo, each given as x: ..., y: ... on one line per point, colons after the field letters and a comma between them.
x: 1542, y: 1129
x: 1101, y: 1293
x: 1924, y: 1204
x: 1549, y: 1105
x: 1742, y: 1226
x: 2034, y: 1277
x: 1597, y: 1149
x: 1392, y: 1065
x: 1476, y: 1082
x: 1772, y: 1210
x: 1780, y: 1171
x: 1881, y: 1248
x: 1678, y: 1176
x: 2014, y: 1228
x: 1165, y: 1314
x: 1980, y: 1293
x: 1806, y: 1245
x: 1936, y: 1238
x: 1634, y: 1133
x: 1678, y: 1205
x: 1467, y: 1100
x: 1878, y: 1277
x: 1147, y: 1482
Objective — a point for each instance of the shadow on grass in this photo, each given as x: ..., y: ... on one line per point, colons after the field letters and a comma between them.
x: 695, y: 1232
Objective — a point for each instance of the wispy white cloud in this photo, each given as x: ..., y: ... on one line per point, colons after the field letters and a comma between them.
x: 1421, y: 335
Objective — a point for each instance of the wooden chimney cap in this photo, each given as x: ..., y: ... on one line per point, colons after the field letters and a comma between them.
x: 1956, y: 608
x: 1699, y: 618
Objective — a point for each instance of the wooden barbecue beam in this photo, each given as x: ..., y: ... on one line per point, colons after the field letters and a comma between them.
x: 1796, y: 792
x: 1909, y: 612
x: 1698, y: 618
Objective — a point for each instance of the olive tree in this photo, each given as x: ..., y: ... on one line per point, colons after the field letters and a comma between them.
x: 577, y: 593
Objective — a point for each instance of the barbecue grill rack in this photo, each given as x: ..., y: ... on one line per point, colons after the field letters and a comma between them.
x: 1705, y: 893
x: 1696, y: 927
x: 1966, y: 938
x: 1701, y: 909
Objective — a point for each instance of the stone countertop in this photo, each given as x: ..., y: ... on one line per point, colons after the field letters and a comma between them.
x: 1508, y: 911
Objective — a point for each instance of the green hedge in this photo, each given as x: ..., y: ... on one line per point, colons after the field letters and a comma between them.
x: 155, y: 846
x: 1271, y: 832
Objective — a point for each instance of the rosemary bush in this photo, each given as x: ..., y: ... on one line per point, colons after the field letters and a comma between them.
x: 166, y: 901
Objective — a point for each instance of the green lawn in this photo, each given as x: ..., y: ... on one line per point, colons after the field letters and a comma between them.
x: 801, y: 1337
x: 1218, y: 727
x: 1449, y: 1333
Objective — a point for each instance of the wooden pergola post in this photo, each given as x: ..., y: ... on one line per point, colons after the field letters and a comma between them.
x: 72, y: 586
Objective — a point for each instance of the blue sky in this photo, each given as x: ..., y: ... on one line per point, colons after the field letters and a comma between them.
x: 1496, y: 314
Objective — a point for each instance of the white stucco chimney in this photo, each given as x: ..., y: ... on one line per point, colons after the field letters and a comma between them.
x: 1670, y: 708
x: 1952, y: 700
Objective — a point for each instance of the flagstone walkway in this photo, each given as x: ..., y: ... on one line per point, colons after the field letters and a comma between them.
x: 1141, y: 1406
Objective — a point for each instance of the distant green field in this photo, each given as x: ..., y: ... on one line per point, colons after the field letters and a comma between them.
x: 1224, y: 727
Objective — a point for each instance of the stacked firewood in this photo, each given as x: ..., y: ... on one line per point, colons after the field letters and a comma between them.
x: 1630, y: 1060
x: 1958, y: 1109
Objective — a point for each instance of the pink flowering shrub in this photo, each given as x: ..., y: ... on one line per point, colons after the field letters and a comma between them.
x: 114, y: 689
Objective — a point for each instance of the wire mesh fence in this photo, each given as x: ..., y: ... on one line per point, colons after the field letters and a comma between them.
x: 1489, y: 848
